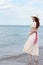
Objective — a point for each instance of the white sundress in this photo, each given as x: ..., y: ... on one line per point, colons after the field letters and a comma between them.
x: 29, y: 47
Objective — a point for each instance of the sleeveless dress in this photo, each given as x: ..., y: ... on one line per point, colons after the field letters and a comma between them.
x: 31, y: 46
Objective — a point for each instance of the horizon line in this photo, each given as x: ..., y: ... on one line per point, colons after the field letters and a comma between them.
x: 17, y: 25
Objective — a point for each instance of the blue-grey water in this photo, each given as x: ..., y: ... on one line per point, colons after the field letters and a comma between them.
x: 13, y: 38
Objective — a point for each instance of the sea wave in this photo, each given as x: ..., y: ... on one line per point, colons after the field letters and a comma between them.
x: 5, y: 57
x: 16, y: 55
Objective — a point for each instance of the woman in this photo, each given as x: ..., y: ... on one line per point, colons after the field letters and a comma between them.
x: 31, y: 46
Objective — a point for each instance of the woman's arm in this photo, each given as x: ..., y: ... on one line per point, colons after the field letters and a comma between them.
x: 32, y: 31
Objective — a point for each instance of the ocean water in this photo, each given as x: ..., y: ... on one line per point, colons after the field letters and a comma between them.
x: 13, y: 38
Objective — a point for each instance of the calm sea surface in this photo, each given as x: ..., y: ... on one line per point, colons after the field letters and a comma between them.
x: 13, y: 38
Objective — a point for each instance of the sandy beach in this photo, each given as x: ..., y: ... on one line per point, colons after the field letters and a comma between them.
x: 22, y: 59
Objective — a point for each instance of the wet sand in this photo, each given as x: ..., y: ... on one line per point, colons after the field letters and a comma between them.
x: 22, y: 59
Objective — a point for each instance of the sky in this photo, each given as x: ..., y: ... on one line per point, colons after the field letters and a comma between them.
x: 19, y: 12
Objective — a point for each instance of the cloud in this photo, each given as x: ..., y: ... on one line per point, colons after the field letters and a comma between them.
x: 22, y: 13
x: 5, y: 4
x: 4, y: 1
x: 34, y: 7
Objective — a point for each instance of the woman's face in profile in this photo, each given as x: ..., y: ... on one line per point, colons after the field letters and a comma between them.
x: 33, y: 19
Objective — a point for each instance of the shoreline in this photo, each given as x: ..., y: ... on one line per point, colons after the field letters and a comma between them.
x: 21, y: 59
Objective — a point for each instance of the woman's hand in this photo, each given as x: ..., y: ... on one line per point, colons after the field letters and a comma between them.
x: 30, y: 33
